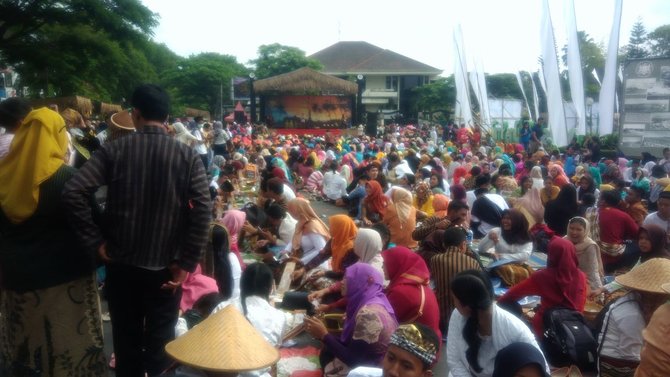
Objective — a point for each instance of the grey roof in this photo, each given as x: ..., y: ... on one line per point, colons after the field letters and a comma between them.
x: 352, y: 57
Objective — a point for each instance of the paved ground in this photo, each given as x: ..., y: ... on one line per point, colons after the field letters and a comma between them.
x: 324, y: 210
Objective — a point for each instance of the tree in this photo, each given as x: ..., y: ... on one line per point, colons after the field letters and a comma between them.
x: 659, y: 39
x: 436, y: 96
x: 503, y: 85
x: 593, y: 57
x: 276, y: 59
x: 637, y: 43
x: 203, y: 81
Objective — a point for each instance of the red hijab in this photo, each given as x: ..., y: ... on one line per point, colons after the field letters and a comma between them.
x: 281, y: 174
x: 404, y: 266
x: 562, y: 281
x: 459, y: 175
x: 375, y: 199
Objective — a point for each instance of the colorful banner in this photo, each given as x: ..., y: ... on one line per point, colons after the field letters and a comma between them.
x: 308, y: 111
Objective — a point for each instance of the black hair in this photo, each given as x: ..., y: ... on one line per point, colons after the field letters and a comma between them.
x: 12, y: 111
x: 480, y: 191
x: 521, y: 184
x: 457, y: 205
x: 474, y: 290
x: 611, y: 198
x: 658, y: 171
x: 588, y: 199
x: 276, y: 186
x: 255, y: 214
x: 440, y: 180
x: 223, y: 272
x: 454, y: 236
x: 476, y: 170
x: 275, y: 211
x: 384, y: 233
x: 411, y: 179
x: 518, y: 233
x: 207, y: 302
x: 483, y: 179
x: 152, y: 102
x: 256, y: 280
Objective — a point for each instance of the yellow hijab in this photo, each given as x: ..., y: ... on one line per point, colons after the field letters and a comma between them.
x: 37, y: 151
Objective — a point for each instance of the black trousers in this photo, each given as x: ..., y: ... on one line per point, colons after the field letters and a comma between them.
x: 143, y: 318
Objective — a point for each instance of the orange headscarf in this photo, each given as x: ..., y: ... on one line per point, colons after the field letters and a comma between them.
x: 308, y: 221
x: 440, y: 204
x: 344, y: 231
x: 376, y: 199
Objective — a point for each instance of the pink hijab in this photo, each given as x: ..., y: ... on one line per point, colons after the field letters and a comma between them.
x: 233, y: 220
x: 195, y: 286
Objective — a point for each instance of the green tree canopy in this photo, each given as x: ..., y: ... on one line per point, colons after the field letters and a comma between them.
x: 503, y: 85
x: 637, y: 43
x: 659, y: 39
x: 203, y: 81
x: 436, y: 96
x: 593, y: 57
x: 276, y: 59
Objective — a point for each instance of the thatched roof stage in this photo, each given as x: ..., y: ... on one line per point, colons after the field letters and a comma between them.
x: 191, y: 112
x: 109, y: 108
x: 305, y: 81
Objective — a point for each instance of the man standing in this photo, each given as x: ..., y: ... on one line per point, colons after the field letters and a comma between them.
x: 536, y: 135
x: 153, y: 230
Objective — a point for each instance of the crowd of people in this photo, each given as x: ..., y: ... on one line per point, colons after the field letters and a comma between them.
x: 196, y: 225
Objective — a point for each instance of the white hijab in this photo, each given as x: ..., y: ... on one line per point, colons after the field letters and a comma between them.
x: 368, y: 247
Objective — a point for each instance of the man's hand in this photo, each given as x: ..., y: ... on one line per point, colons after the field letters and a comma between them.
x: 444, y: 224
x: 178, y: 277
x: 102, y: 253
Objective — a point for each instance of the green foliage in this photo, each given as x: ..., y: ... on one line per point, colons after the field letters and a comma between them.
x: 438, y: 95
x: 276, y: 59
x: 593, y: 57
x: 637, y: 43
x: 200, y: 81
x: 503, y: 85
x: 659, y: 39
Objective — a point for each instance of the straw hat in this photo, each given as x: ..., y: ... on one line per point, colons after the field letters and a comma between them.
x: 648, y: 276
x: 224, y: 342
x: 123, y: 121
x: 666, y: 287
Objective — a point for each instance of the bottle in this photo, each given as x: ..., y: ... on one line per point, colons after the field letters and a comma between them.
x: 468, y: 237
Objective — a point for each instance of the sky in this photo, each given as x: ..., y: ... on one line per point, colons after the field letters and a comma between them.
x: 502, y: 34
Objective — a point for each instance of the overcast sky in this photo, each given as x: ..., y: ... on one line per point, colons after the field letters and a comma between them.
x: 504, y: 34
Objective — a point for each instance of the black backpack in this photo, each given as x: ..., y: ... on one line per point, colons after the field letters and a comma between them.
x: 567, y: 340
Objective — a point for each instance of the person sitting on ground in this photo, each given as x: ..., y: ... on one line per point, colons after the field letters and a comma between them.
x: 311, y: 234
x: 559, y: 178
x: 615, y: 227
x: 559, y: 211
x: 478, y: 328
x: 487, y: 212
x: 588, y: 252
x: 374, y: 204
x: 620, y: 336
x: 634, y: 206
x: 400, y: 218
x: 457, y: 216
x: 561, y: 284
x: 520, y: 360
x: 368, y: 326
x: 408, y: 291
x: 334, y: 185
x: 655, y: 354
x: 511, y: 241
x: 423, y: 201
x: 586, y: 185
x: 444, y: 266
x: 549, y: 191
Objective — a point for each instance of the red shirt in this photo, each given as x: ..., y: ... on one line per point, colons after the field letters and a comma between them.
x: 616, y: 226
x: 406, y: 301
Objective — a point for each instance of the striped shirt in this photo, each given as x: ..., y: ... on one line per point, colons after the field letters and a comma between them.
x: 158, y: 204
x: 444, y: 267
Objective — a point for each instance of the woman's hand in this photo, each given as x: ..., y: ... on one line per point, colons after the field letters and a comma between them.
x: 249, y: 229
x: 596, y: 292
x: 366, y: 222
x: 316, y: 275
x: 297, y: 274
x: 317, y: 295
x: 315, y: 328
x: 493, y: 236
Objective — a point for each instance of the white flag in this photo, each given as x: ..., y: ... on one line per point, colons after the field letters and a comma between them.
x: 608, y: 88
x: 575, y: 68
x: 536, y: 98
x: 595, y: 76
x: 483, y: 92
x: 463, y: 109
x: 556, y: 116
x: 523, y: 92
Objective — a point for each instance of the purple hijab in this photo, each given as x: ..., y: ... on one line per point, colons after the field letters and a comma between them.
x: 365, y: 286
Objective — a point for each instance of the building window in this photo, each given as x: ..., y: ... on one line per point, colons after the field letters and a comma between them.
x: 392, y: 82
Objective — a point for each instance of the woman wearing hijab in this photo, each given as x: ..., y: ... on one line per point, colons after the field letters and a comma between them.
x: 511, y: 241
x: 374, y: 204
x: 458, y: 193
x: 579, y: 173
x: 586, y: 184
x: 409, y: 291
x: 50, y: 307
x: 536, y: 175
x: 182, y: 134
x: 195, y: 286
x: 339, y: 249
x: 561, y: 284
x: 370, y: 322
x: 520, y: 359
x: 440, y: 205
x: 560, y: 179
x: 311, y: 234
x: 479, y: 328
x: 588, y: 252
x: 530, y: 205
x: 233, y: 220
x: 459, y: 175
x: 559, y: 211
x: 423, y: 201
x: 400, y: 218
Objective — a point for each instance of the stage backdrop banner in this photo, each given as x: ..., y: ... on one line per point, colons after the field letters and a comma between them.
x: 308, y: 111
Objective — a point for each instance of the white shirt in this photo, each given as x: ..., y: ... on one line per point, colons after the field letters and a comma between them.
x: 623, y: 336
x: 654, y: 219
x: 200, y: 147
x: 236, y: 271
x: 286, y: 230
x: 506, y: 329
x: 520, y: 253
x: 334, y: 185
x: 499, y: 201
x: 288, y: 193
